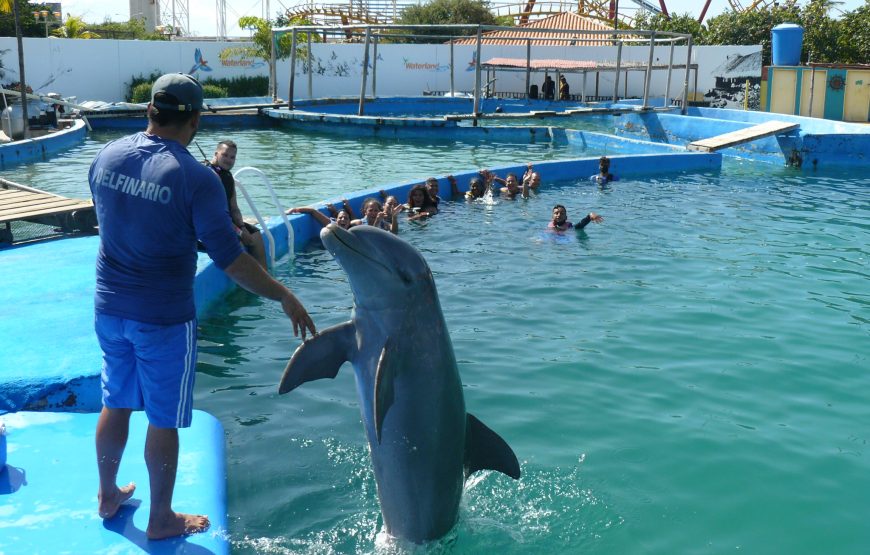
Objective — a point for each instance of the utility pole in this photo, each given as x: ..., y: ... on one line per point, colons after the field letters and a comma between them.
x: 23, y: 82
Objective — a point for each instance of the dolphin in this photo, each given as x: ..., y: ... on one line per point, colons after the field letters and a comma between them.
x: 423, y: 444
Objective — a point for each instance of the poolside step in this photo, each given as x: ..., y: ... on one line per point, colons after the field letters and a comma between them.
x: 742, y: 136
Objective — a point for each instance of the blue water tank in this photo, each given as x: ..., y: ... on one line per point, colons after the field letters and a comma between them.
x: 786, y: 41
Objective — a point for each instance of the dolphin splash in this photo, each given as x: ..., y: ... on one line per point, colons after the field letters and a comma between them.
x: 422, y: 442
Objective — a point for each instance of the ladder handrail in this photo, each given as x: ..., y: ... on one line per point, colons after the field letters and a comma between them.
x: 278, y: 205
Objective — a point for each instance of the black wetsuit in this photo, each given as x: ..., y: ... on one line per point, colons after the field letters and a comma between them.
x: 229, y: 183
x: 548, y: 89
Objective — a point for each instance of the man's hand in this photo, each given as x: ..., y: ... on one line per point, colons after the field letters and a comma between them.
x: 302, y: 322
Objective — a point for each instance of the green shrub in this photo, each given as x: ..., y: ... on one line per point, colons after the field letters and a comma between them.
x: 134, y: 93
x: 242, y: 86
x: 210, y: 90
x: 141, y: 93
x: 140, y: 87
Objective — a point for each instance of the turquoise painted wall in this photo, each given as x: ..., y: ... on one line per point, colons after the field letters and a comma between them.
x: 835, y: 100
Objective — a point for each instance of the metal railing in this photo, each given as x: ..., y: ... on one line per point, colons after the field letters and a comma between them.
x: 260, y: 220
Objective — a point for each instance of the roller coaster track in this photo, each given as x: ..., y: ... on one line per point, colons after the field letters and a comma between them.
x: 388, y: 11
x: 385, y: 11
x: 737, y: 6
x: 523, y: 11
x: 364, y: 12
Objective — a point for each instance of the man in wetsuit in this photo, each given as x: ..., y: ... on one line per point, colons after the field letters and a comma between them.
x: 603, y: 175
x: 222, y: 162
x: 153, y: 200
x: 560, y: 220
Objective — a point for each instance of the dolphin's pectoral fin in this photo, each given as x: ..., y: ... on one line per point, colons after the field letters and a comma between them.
x: 319, y: 357
x: 485, y: 449
x: 388, y: 364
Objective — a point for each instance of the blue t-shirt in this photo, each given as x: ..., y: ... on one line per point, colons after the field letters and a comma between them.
x: 153, y: 200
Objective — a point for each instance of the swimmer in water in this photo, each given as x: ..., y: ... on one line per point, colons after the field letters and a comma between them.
x: 560, y: 220
x: 341, y: 217
x: 603, y: 175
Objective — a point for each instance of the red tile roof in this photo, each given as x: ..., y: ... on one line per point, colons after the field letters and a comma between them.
x: 567, y: 20
x: 541, y: 64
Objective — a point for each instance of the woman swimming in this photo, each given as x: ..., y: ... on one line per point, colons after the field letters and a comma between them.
x: 420, y: 204
x: 341, y: 217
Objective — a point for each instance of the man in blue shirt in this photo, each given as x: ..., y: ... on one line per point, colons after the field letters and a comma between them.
x: 153, y: 200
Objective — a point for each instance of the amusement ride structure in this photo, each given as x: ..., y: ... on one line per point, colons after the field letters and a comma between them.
x: 522, y: 11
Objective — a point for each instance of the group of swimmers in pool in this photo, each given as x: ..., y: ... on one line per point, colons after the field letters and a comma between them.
x: 423, y: 201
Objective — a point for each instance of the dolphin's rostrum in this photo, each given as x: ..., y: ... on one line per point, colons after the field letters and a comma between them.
x: 423, y: 444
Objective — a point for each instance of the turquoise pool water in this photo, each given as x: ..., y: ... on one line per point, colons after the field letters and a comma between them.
x: 688, y: 377
x: 307, y: 168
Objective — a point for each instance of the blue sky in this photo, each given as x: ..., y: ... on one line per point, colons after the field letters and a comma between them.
x: 203, y: 21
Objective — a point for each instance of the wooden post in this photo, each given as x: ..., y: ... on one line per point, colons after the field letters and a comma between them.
x: 451, y: 69
x: 310, y: 69
x: 375, y: 68
x: 686, y: 82
x: 273, y: 75
x: 477, y: 77
x: 292, y: 70
x: 670, y: 69
x: 22, y: 82
x: 528, y: 66
x: 648, y: 77
x: 616, y: 73
x: 365, y: 72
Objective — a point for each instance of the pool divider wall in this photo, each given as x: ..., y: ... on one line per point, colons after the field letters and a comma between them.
x: 408, y: 128
x: 817, y: 143
x: 40, y: 148
x: 138, y: 122
x: 611, y: 144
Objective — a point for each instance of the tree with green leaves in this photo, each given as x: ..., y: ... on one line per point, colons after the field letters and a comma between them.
x: 820, y: 32
x: 854, y: 38
x: 262, y: 37
x: 29, y: 27
x: 750, y: 27
x: 74, y: 27
x: 133, y: 29
x: 447, y: 12
x: 677, y: 23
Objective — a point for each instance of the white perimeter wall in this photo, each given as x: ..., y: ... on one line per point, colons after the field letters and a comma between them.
x: 102, y: 69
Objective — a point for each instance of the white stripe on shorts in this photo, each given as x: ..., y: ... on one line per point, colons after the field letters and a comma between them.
x: 189, y: 366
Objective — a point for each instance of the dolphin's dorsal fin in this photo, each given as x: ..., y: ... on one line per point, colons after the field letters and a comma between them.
x: 485, y: 449
x: 319, y: 357
x: 384, y: 377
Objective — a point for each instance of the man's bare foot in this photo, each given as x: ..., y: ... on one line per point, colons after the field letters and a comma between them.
x: 177, y: 524
x: 110, y: 503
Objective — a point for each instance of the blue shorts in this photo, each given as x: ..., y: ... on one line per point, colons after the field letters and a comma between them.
x: 148, y: 366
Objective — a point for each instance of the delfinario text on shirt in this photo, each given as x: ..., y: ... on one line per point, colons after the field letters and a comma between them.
x: 132, y: 186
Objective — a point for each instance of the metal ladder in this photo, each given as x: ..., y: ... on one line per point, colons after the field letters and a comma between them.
x: 278, y: 205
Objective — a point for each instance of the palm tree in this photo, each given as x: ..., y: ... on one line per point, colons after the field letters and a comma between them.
x: 73, y: 28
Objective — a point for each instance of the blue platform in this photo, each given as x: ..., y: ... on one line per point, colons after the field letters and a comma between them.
x: 48, y: 501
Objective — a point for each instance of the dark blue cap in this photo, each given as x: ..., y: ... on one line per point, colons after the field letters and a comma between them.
x: 186, y: 92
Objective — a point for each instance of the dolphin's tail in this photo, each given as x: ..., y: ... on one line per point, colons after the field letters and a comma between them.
x: 485, y: 449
